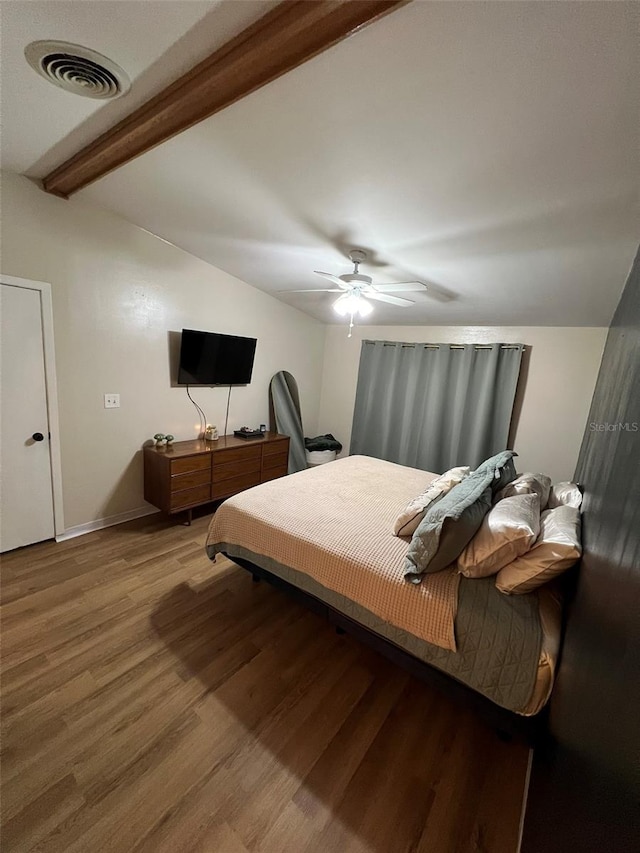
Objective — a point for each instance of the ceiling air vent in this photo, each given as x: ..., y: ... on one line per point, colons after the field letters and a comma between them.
x: 77, y: 69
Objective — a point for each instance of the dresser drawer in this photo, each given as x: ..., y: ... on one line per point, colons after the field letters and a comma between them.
x: 190, y: 497
x: 233, y: 485
x: 277, y: 460
x: 189, y: 481
x: 275, y: 447
x: 191, y: 463
x: 273, y: 473
x: 227, y: 470
x: 238, y: 454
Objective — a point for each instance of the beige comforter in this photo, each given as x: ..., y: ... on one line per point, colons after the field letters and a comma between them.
x: 335, y: 523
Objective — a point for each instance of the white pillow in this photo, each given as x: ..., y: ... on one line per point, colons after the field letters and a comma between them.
x: 407, y: 522
x: 557, y: 548
x: 565, y: 494
x: 508, y: 530
x: 528, y: 484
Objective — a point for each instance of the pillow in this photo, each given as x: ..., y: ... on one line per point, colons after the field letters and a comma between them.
x: 528, y: 484
x: 565, y: 494
x: 411, y: 516
x: 557, y: 548
x: 507, y: 531
x: 502, y: 469
x: 448, y: 525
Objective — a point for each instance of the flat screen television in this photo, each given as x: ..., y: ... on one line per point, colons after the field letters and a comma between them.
x: 208, y: 358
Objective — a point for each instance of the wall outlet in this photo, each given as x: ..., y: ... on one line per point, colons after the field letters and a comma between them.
x: 112, y: 401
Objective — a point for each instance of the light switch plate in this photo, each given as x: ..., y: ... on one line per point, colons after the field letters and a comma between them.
x: 112, y: 401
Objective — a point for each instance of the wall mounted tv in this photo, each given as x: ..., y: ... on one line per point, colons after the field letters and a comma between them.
x: 207, y: 358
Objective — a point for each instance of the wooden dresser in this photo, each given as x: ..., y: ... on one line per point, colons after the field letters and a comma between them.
x: 188, y: 474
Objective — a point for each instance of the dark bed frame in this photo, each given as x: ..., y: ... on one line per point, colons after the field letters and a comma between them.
x: 507, y: 723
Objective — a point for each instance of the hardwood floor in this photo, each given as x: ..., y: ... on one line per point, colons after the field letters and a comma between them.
x: 154, y: 701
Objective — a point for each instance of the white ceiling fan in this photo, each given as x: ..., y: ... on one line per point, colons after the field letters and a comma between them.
x: 356, y: 289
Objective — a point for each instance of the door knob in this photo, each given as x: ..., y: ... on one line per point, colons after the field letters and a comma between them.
x: 37, y: 436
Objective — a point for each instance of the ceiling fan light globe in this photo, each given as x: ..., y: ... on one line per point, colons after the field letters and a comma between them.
x: 346, y: 304
x: 352, y: 303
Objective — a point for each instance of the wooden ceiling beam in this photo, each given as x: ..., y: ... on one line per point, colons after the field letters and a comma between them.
x: 288, y: 35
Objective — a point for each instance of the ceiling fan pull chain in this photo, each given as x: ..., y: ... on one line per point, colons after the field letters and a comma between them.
x: 350, y: 325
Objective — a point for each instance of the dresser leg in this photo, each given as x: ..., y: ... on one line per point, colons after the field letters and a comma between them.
x: 189, y: 517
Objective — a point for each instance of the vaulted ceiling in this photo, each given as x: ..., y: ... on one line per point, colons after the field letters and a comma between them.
x: 488, y: 149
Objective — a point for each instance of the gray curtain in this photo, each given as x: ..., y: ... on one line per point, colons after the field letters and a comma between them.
x: 434, y: 406
x: 286, y: 418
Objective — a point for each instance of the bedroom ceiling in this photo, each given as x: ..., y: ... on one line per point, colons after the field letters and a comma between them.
x: 488, y: 149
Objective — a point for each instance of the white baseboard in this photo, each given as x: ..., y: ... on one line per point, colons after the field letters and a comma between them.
x: 101, y: 523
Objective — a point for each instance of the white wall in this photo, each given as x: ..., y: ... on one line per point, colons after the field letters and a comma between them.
x: 563, y: 367
x: 117, y: 293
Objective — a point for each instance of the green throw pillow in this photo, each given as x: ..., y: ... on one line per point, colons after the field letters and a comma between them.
x: 503, y: 467
x: 450, y: 524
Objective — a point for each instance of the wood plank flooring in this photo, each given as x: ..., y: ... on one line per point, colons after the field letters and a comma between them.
x: 158, y: 703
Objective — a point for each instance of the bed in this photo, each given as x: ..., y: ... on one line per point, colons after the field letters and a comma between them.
x: 327, y: 534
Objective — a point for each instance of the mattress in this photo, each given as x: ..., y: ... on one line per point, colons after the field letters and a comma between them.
x: 328, y: 531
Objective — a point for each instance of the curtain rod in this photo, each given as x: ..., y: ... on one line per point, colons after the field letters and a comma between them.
x: 451, y: 346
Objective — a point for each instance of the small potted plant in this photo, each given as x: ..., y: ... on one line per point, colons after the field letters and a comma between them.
x: 169, y: 439
x: 159, y: 438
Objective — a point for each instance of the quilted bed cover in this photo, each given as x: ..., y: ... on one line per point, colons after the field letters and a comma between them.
x: 328, y: 531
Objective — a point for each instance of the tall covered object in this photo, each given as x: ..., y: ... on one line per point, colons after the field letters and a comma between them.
x: 284, y: 410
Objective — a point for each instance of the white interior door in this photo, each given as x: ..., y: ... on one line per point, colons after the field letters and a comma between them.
x: 26, y: 489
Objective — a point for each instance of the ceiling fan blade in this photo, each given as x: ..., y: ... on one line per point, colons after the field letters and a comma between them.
x: 316, y: 290
x: 400, y: 286
x: 392, y: 300
x: 333, y: 278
